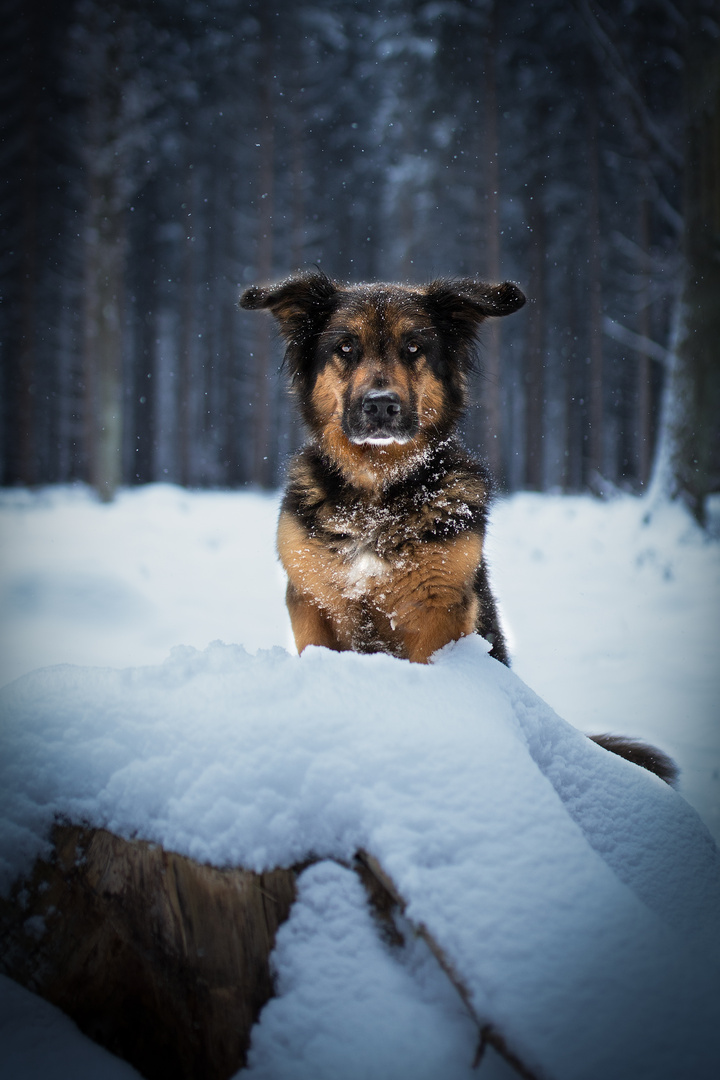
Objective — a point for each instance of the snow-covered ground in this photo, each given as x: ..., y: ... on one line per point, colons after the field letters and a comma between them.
x: 614, y: 614
x: 576, y: 897
x: 613, y: 620
x: 38, y: 1042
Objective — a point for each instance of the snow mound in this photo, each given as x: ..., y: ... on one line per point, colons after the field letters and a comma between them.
x: 38, y: 1042
x: 575, y: 895
x: 408, y: 1010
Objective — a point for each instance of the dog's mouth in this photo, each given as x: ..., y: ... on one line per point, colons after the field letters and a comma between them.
x: 379, y: 418
x: 379, y: 440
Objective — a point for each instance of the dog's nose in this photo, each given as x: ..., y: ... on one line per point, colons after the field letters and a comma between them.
x: 381, y: 403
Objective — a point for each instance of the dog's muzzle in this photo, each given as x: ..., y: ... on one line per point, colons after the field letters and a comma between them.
x: 378, y: 417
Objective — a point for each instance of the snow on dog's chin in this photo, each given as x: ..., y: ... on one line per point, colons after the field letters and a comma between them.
x: 379, y: 440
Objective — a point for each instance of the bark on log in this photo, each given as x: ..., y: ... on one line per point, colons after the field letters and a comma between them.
x: 160, y: 959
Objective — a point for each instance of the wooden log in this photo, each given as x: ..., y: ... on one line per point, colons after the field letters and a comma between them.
x: 165, y: 961
x: 160, y: 959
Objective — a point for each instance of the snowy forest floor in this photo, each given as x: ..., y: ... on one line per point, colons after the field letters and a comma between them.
x: 472, y: 796
x: 612, y: 612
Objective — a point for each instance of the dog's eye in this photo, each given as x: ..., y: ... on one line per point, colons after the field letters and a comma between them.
x: 345, y: 348
x: 413, y: 348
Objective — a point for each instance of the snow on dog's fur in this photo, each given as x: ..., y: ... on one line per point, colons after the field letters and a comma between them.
x: 382, y: 527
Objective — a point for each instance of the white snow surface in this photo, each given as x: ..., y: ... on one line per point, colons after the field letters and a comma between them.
x: 576, y: 896
x: 38, y: 1042
x: 400, y: 1001
x: 612, y: 608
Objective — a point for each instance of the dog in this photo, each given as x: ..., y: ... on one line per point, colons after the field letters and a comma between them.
x: 383, y: 521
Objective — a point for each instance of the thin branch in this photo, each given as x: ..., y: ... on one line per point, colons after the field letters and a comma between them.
x: 674, y: 13
x: 637, y: 342
x: 488, y: 1034
x: 652, y: 131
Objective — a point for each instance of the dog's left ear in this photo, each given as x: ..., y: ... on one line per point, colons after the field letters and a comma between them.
x: 295, y: 302
x: 471, y: 302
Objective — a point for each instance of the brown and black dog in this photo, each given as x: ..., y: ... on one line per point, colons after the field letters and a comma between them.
x: 382, y: 526
x: 383, y: 522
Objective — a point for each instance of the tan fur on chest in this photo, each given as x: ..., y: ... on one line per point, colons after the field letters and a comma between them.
x: 409, y: 602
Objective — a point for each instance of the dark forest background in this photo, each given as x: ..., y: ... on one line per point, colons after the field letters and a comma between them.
x: 157, y: 157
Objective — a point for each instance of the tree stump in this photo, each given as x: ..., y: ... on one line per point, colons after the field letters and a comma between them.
x: 165, y: 961
x: 160, y: 959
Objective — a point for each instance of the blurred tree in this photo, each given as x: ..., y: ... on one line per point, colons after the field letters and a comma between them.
x: 120, y: 96
x: 695, y: 433
x: 36, y: 228
x: 390, y: 139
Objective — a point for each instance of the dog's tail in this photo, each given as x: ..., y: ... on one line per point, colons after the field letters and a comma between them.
x: 649, y: 757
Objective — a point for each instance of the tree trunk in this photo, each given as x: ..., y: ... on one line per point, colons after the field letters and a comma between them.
x: 574, y: 382
x: 104, y: 262
x: 264, y: 390
x: 596, y: 380
x: 493, y: 435
x: 644, y: 371
x: 188, y: 427
x: 535, y: 352
x: 163, y: 961
x: 695, y: 385
x: 104, y: 267
x: 27, y: 464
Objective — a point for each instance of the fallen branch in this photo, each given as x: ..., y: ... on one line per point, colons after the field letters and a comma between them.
x: 488, y: 1034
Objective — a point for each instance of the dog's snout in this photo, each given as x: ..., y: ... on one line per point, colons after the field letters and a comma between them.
x: 381, y: 404
x: 379, y: 415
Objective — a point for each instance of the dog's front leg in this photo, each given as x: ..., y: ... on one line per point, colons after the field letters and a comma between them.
x: 429, y: 628
x: 309, y: 623
x: 313, y: 591
x: 435, y: 602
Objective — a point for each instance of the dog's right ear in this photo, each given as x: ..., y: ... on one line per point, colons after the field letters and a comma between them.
x: 469, y: 301
x: 297, y: 303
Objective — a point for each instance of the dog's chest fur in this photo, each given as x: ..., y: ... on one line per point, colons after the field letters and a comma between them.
x: 369, y: 548
x: 374, y: 541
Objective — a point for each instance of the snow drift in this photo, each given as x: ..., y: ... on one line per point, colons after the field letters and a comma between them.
x: 41, y: 1043
x: 612, y: 608
x: 576, y: 896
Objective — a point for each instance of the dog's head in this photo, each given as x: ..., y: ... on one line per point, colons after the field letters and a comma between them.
x: 381, y: 365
